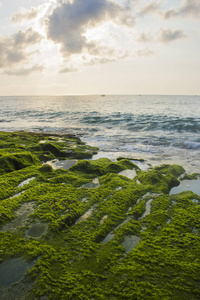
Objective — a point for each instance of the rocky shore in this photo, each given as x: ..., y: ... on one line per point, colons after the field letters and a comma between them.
x: 76, y: 228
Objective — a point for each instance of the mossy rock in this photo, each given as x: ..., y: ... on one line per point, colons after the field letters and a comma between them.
x: 46, y: 168
x: 81, y: 155
x: 127, y: 164
x: 113, y: 168
x: 130, y: 159
x: 84, y: 152
x: 193, y: 176
x: 70, y: 260
x: 174, y: 170
x: 17, y: 161
x: 156, y: 179
x: 95, y: 167
x: 162, y: 178
x: 55, y: 150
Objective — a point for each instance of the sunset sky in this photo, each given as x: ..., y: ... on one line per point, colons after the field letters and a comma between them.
x: 99, y: 47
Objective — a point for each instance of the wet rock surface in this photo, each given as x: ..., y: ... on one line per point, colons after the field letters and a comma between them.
x: 97, y: 229
x: 12, y: 271
x: 22, y: 215
x: 187, y: 185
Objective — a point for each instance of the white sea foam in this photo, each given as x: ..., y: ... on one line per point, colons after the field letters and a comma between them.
x: 160, y: 129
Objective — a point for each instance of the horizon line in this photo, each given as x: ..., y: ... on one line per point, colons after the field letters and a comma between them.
x: 97, y: 94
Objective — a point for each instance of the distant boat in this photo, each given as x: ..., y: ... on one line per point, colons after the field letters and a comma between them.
x: 102, y: 95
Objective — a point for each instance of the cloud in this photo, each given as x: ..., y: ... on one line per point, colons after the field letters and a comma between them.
x: 81, y: 61
x: 24, y: 71
x: 25, y: 14
x: 68, y: 69
x: 146, y: 52
x: 145, y: 37
x: 151, y: 7
x: 27, y: 38
x: 99, y: 60
x: 69, y: 22
x: 189, y: 8
x: 164, y: 36
x: 9, y: 55
x: 14, y: 48
x: 168, y: 35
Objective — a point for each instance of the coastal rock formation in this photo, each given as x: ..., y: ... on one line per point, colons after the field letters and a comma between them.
x: 123, y: 238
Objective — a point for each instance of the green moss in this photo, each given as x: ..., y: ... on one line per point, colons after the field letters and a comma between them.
x: 135, y: 159
x: 46, y: 168
x: 11, y: 162
x: 45, y: 146
x: 71, y: 262
x: 161, y: 181
x: 175, y: 170
x: 91, y: 167
x: 191, y: 176
x: 84, y: 151
x: 54, y: 149
x: 102, y: 166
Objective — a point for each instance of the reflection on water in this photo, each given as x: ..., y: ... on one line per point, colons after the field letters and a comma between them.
x: 22, y: 214
x: 13, y: 270
x: 124, y: 222
x: 84, y: 200
x: 187, y: 185
x: 128, y: 173
x: 109, y: 237
x: 195, y: 231
x: 143, y: 165
x: 25, y: 182
x: 91, y: 185
x: 130, y: 242
x: 16, y: 195
x: 169, y: 220
x: 103, y: 219
x: 85, y: 216
x: 37, y: 230
x: 64, y: 164
x: 195, y: 201
x: 147, y: 209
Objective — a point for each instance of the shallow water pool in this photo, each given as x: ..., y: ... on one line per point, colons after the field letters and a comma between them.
x: 13, y: 270
x: 187, y: 185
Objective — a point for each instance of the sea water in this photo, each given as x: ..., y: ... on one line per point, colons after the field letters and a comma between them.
x: 159, y: 129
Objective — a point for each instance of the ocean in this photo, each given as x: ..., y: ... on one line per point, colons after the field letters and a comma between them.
x: 158, y: 129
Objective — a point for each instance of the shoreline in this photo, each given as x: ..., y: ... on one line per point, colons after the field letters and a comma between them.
x: 95, y: 229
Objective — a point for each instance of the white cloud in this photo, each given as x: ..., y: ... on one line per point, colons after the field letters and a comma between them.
x: 151, y: 7
x: 145, y: 52
x: 70, y: 21
x: 167, y: 35
x: 24, y: 39
x: 17, y: 48
x: 25, y: 14
x: 68, y: 69
x: 189, y: 8
x: 24, y: 71
x: 145, y: 37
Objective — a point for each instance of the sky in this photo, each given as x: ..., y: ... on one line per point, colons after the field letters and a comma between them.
x: 64, y: 47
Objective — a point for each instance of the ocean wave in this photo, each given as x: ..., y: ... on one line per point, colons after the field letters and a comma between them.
x: 5, y: 121
x: 109, y: 119
x: 186, y: 145
x: 133, y: 122
x: 149, y: 123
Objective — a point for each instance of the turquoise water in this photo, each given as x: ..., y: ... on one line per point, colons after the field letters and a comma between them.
x: 160, y: 129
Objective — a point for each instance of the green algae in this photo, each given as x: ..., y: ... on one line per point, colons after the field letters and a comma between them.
x: 162, y: 178
x: 71, y: 259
